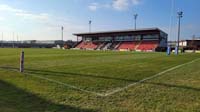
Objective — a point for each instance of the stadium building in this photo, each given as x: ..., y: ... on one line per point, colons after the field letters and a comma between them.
x: 151, y: 39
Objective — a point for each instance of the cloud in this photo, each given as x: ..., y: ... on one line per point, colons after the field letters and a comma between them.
x: 31, y: 16
x: 93, y: 6
x: 136, y: 2
x: 24, y: 14
x: 124, y: 4
x: 7, y: 8
x: 119, y: 5
x: 37, y: 26
x: 43, y: 30
x: 2, y: 18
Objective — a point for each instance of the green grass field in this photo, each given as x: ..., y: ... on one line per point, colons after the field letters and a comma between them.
x: 82, y: 75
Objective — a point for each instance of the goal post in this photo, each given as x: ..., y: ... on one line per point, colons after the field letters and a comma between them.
x: 168, y: 50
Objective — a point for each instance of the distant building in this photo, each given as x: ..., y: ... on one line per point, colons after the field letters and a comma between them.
x: 190, y: 44
x: 150, y: 39
x: 36, y: 44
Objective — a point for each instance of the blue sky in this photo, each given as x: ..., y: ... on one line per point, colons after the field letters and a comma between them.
x: 42, y: 19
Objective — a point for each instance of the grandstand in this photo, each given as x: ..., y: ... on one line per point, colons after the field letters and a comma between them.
x: 150, y: 39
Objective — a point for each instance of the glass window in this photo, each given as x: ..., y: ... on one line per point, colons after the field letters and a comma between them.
x: 151, y: 37
x: 137, y: 37
x: 88, y: 38
x: 119, y: 38
x: 101, y: 38
x: 108, y: 38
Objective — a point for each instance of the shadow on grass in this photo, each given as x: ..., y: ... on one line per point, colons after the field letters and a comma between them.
x: 53, y: 73
x: 174, y: 86
x: 65, y: 74
x: 13, y: 99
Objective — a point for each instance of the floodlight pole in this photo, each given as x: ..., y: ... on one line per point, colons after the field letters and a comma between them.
x: 135, y: 18
x: 62, y: 28
x: 180, y: 15
x: 90, y: 23
x: 17, y: 42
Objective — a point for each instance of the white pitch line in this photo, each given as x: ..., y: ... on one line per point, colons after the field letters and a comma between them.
x: 114, y: 91
x: 61, y: 83
x: 64, y: 84
x: 148, y: 78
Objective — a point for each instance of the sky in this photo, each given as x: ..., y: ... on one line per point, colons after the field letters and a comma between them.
x: 42, y: 19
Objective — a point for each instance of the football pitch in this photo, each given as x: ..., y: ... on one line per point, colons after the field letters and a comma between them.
x: 86, y: 81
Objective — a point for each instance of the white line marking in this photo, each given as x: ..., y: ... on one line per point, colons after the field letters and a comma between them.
x: 61, y: 83
x: 148, y: 78
x: 64, y: 84
x: 117, y: 90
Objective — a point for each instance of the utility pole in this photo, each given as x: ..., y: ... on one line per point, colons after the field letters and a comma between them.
x: 2, y: 40
x: 135, y: 18
x: 90, y: 23
x: 180, y: 15
x: 17, y: 39
x: 193, y: 44
x: 13, y: 40
x: 62, y: 29
x: 17, y: 43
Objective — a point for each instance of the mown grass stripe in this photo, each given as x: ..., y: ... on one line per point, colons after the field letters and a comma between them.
x: 64, y: 84
x: 148, y: 78
x: 114, y: 91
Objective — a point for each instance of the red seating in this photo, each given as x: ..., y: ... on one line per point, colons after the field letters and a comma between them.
x: 127, y: 45
x: 142, y: 45
x: 147, y: 45
x: 101, y: 45
x: 87, y: 45
x: 80, y: 45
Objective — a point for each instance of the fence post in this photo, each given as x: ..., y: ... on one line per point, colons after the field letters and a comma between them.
x: 22, y: 62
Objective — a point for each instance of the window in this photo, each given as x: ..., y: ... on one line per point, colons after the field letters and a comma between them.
x: 108, y: 38
x: 101, y: 38
x: 137, y: 37
x: 121, y: 38
x: 151, y: 37
x: 88, y: 38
